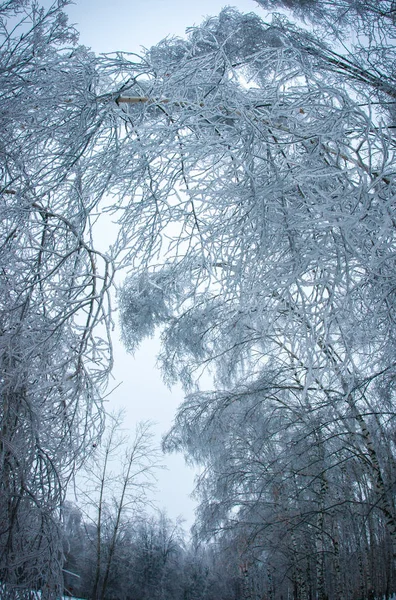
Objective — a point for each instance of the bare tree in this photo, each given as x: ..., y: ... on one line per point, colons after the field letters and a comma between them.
x: 115, y: 490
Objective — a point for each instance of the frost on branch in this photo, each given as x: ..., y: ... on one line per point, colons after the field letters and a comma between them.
x: 142, y: 308
x: 268, y: 177
x: 54, y: 288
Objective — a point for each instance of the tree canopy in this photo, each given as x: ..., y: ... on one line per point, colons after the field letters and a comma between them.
x: 250, y: 167
x: 277, y: 277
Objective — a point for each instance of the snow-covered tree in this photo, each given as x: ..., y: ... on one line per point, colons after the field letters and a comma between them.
x: 354, y: 38
x: 53, y: 291
x: 267, y: 180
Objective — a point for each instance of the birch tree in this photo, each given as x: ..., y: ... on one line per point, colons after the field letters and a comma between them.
x: 354, y: 39
x: 273, y: 190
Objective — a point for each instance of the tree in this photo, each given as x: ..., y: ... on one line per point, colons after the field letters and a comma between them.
x: 115, y: 494
x: 157, y: 561
x: 362, y: 35
x: 271, y: 175
x: 54, y: 287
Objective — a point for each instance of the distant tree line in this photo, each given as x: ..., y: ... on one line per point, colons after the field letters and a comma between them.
x: 152, y: 561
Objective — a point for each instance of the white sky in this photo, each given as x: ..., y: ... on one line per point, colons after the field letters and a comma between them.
x: 128, y: 25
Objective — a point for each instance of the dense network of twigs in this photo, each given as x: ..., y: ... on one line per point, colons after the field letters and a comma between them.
x: 250, y: 167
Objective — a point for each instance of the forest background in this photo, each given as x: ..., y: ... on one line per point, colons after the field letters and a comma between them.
x: 249, y: 167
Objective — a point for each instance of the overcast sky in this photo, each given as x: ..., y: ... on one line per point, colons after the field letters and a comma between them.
x: 108, y: 25
x: 128, y: 25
